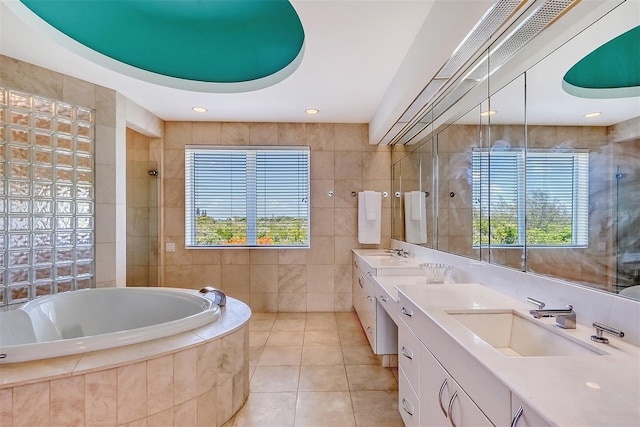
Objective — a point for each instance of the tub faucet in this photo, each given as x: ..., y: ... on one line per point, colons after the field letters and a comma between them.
x: 218, y: 296
x: 565, y: 317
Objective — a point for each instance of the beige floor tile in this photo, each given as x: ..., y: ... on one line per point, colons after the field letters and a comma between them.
x: 278, y: 356
x: 291, y: 316
x: 322, y: 355
x: 261, y: 325
x: 370, y: 377
x: 323, y: 338
x: 254, y: 355
x: 258, y: 338
x: 290, y: 338
x: 323, y: 378
x: 267, y: 409
x: 376, y: 408
x: 275, y: 379
x: 281, y: 325
x: 347, y: 320
x: 359, y: 355
x: 353, y: 337
x: 321, y: 322
x: 324, y: 409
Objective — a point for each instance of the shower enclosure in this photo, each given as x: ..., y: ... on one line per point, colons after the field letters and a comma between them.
x: 142, y: 212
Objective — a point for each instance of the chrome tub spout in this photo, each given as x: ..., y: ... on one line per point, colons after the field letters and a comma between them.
x: 218, y: 296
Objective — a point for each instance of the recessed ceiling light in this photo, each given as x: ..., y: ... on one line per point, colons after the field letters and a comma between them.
x: 312, y: 111
x: 199, y: 109
x: 488, y: 113
x: 594, y: 114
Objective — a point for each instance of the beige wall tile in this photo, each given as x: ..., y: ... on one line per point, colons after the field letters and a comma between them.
x: 264, y: 278
x: 263, y: 134
x: 67, y: 401
x: 348, y: 136
x: 292, y: 256
x: 163, y: 418
x: 349, y: 165
x: 322, y: 165
x: 206, y: 275
x: 186, y: 413
x: 321, y: 136
x: 31, y: 405
x: 6, y: 407
x: 208, y: 357
x: 320, y: 197
x: 208, y: 133
x: 292, y: 278
x: 292, y: 134
x: 101, y: 398
x: 292, y: 302
x: 176, y: 135
x: 185, y: 371
x: 207, y: 413
x: 132, y: 392
x: 235, y: 134
x: 322, y: 221
x: 236, y: 279
x: 320, y: 279
x: 159, y: 384
x: 321, y: 251
x: 263, y: 256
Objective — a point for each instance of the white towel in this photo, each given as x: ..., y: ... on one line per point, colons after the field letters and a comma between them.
x: 416, y: 205
x: 369, y: 230
x: 415, y: 230
x: 371, y: 204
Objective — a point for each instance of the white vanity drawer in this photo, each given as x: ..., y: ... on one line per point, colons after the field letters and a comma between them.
x: 408, y: 402
x: 409, y: 355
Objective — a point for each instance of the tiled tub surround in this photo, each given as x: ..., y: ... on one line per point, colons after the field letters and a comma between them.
x: 200, y: 377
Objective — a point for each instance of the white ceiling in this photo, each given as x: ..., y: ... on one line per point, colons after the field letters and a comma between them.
x: 353, y: 49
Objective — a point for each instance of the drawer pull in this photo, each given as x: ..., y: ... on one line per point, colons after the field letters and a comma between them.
x: 370, y: 298
x: 369, y: 329
x: 516, y: 417
x: 406, y: 312
x: 407, y: 406
x: 444, y: 384
x: 360, y: 282
x: 450, y: 409
x: 383, y: 298
x: 406, y: 353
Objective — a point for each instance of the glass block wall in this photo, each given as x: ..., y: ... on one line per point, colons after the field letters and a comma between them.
x: 46, y: 197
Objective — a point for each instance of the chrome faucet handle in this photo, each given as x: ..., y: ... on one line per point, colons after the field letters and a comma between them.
x: 604, y: 328
x: 534, y: 301
x: 565, y: 317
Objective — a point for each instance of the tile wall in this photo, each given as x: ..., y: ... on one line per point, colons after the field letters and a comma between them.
x: 289, y: 280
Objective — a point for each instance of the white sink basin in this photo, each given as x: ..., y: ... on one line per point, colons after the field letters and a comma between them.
x: 515, y: 335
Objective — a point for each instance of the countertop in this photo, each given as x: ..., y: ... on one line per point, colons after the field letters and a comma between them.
x: 585, y: 390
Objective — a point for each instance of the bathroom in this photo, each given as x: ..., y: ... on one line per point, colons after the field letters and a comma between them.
x: 314, y: 280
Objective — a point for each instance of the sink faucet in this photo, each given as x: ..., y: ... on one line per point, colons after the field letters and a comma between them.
x: 399, y: 252
x: 565, y: 317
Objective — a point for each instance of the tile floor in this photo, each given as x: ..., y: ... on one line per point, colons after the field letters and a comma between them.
x: 316, y: 369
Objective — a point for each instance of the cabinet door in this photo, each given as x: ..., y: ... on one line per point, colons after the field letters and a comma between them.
x: 408, y: 402
x: 442, y: 401
x: 435, y: 391
x: 523, y: 416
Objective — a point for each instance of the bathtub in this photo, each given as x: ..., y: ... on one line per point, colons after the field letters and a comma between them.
x: 95, y: 319
x: 148, y: 356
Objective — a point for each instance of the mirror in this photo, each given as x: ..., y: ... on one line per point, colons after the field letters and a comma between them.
x: 538, y: 186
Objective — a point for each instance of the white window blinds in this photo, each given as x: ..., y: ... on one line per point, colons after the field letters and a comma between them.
x: 256, y: 197
x: 552, y: 187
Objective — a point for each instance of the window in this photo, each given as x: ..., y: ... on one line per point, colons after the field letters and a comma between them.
x: 256, y: 197
x: 551, y: 186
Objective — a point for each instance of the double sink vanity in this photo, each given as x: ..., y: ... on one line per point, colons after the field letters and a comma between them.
x: 471, y: 356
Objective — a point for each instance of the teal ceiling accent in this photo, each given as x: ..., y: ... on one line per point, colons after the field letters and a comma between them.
x: 218, y: 41
x: 610, y: 71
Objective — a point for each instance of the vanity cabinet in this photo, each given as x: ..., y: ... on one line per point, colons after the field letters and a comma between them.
x: 428, y: 395
x: 524, y: 416
x: 439, y: 383
x: 380, y: 330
